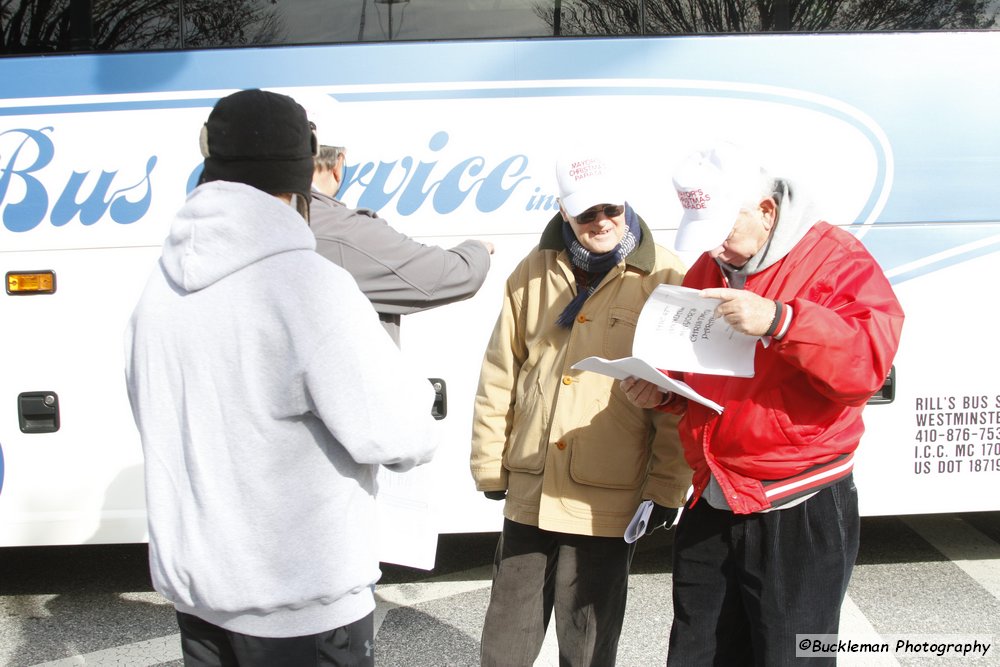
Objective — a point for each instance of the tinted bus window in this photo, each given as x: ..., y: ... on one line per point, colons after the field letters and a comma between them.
x: 448, y: 19
x: 322, y: 21
x: 584, y: 18
x: 37, y: 26
x: 740, y: 16
x: 34, y: 26
x: 211, y: 23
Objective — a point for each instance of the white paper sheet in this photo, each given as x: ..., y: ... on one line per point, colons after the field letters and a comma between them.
x: 405, y: 528
x: 633, y: 367
x: 678, y: 331
x: 637, y: 526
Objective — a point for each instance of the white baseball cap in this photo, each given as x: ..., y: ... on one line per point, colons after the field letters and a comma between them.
x: 713, y: 185
x: 585, y: 182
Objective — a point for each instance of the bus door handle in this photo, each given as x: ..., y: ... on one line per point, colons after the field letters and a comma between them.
x: 440, y: 408
x: 887, y: 394
x: 38, y: 411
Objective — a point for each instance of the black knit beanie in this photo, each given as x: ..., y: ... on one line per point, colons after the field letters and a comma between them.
x: 262, y: 139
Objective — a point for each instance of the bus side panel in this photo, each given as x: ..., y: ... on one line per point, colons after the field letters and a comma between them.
x: 83, y: 482
x: 936, y: 448
x: 89, y: 181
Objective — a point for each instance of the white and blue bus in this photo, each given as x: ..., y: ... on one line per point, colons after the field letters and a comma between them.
x: 453, y: 113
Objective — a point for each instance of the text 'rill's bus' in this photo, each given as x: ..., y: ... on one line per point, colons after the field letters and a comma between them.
x: 453, y: 113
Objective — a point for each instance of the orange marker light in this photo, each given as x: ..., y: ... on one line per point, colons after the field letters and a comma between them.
x: 31, y: 282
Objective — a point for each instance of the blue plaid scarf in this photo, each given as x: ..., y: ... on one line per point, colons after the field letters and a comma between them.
x: 590, y: 268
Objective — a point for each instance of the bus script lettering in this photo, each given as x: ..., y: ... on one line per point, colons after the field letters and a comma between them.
x: 29, y: 212
x: 447, y: 192
x: 415, y: 181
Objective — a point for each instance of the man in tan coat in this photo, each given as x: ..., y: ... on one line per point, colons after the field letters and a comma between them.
x: 565, y: 449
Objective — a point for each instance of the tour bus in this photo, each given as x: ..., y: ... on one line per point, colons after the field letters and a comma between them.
x: 453, y: 115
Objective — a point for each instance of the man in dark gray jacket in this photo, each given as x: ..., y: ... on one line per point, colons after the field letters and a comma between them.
x: 398, y: 274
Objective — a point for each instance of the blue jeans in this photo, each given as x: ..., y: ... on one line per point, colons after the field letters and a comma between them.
x: 745, y: 585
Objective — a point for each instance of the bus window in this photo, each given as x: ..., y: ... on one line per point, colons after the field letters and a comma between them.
x: 585, y: 18
x: 30, y: 26
x: 320, y: 21
x: 210, y: 23
x: 787, y: 16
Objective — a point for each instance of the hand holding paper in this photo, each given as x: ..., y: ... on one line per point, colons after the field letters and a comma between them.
x: 633, y: 367
x: 744, y: 311
x: 678, y: 330
x: 637, y: 526
x: 648, y: 517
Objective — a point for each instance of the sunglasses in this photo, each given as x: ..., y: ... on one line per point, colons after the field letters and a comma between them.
x: 590, y: 215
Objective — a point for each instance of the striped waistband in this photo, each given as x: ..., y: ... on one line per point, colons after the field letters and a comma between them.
x: 782, y: 491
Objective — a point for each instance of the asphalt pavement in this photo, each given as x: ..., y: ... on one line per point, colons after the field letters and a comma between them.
x: 928, y: 580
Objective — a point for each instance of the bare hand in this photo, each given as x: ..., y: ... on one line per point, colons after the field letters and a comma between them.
x: 744, y: 311
x: 641, y: 393
x: 489, y: 246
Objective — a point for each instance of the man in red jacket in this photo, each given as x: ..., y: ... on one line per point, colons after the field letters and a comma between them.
x: 765, y: 547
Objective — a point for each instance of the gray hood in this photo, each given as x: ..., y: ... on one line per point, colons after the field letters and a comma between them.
x: 224, y: 227
x: 796, y: 216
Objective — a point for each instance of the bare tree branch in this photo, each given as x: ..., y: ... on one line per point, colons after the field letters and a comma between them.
x: 39, y: 26
x: 587, y: 17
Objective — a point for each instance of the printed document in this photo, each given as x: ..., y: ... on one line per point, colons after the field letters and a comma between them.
x: 405, y: 527
x: 633, y: 367
x: 678, y: 331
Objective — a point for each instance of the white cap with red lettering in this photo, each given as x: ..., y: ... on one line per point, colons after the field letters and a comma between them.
x: 587, y: 181
x: 713, y: 185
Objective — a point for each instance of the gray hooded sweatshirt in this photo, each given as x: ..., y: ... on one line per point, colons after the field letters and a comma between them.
x: 266, y: 394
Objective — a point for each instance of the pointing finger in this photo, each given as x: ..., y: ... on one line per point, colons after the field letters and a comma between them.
x: 723, y: 293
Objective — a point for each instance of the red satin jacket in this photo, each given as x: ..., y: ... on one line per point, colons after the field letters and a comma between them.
x: 793, y: 427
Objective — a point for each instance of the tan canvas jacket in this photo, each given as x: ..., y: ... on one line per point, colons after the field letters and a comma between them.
x: 573, y: 454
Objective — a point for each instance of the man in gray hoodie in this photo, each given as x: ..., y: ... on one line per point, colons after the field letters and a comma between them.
x: 266, y: 395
